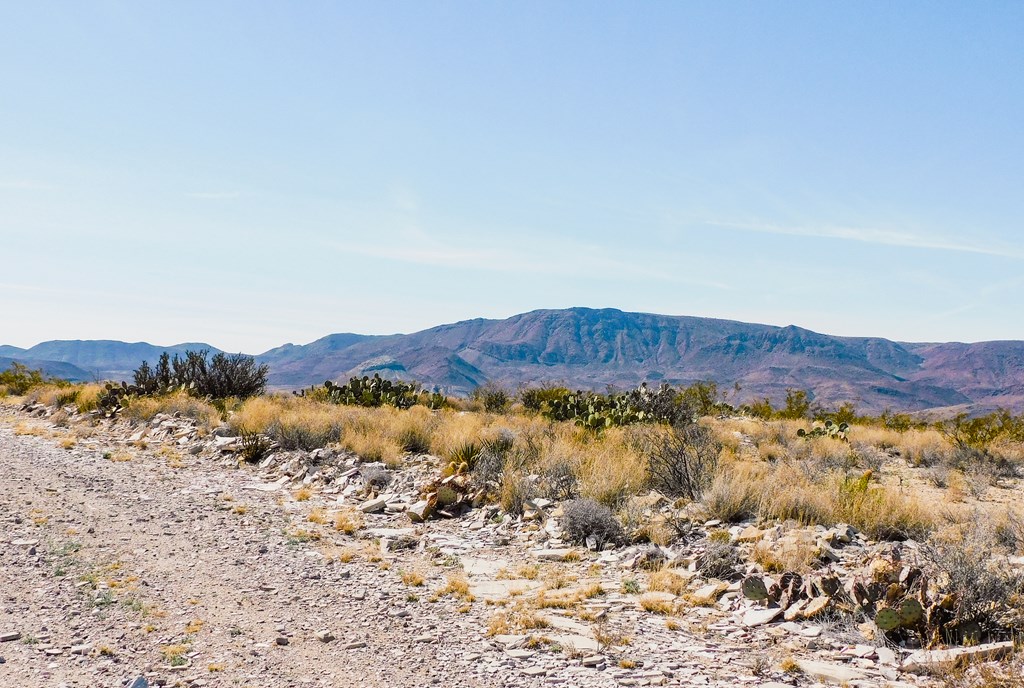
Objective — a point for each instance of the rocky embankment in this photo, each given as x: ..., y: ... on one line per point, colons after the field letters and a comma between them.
x: 148, y: 555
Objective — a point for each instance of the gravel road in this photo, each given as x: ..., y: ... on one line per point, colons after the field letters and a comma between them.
x: 110, y: 570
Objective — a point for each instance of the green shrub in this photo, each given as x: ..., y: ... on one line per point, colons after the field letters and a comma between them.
x: 220, y: 377
x: 19, y: 378
x: 494, y: 397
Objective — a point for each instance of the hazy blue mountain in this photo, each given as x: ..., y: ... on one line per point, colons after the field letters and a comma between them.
x: 65, y: 371
x: 103, y: 359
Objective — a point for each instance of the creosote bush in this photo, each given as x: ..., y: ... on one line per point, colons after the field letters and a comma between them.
x: 681, y: 459
x: 585, y: 518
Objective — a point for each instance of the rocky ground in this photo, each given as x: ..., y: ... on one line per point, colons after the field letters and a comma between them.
x: 146, y: 555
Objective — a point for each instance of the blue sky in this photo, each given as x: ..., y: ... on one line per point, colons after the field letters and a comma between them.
x: 253, y: 173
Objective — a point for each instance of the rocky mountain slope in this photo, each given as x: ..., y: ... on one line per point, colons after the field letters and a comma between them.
x: 595, y: 348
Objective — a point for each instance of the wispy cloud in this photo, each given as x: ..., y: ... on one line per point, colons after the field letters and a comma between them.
x: 576, y: 261
x: 213, y: 195
x: 883, y: 237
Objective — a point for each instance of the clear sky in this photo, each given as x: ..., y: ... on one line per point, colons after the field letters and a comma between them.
x: 253, y: 173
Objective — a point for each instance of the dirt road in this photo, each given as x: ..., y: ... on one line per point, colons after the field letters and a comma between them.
x: 136, y: 565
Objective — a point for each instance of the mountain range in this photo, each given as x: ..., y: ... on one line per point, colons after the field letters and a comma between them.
x: 598, y: 348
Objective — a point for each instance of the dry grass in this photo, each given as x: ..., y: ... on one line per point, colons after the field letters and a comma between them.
x: 318, y: 516
x: 145, y: 408
x: 348, y: 521
x: 88, y: 397
x: 776, y: 559
x: 302, y: 494
x: 790, y: 666
x: 666, y: 580
x: 29, y: 429
x: 656, y: 604
x: 412, y: 579
x: 810, y: 494
x: 457, y: 586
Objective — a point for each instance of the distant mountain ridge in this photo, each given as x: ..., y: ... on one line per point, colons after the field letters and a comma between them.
x: 596, y: 348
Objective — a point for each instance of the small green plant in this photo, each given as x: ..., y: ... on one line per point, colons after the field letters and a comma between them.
x: 19, y: 378
x: 253, y: 447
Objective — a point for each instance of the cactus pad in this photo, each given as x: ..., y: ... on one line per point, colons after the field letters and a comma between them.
x: 887, y: 619
x: 754, y: 588
x: 911, y: 612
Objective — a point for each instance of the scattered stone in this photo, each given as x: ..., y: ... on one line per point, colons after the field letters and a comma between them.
x: 592, y: 661
x: 375, y: 505
x: 708, y: 594
x: 551, y: 554
x: 324, y: 636
x: 354, y: 645
x: 419, y: 512
x: 928, y: 660
x: 8, y: 637
x: 886, y: 656
x: 825, y: 671
x: 760, y: 617
x: 281, y: 640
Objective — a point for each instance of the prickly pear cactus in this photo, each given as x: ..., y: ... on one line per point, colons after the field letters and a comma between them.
x: 754, y: 588
x: 911, y: 612
x: 887, y: 619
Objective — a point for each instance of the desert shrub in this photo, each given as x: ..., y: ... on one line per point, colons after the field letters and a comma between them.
x: 494, y: 397
x: 797, y: 405
x: 414, y: 440
x: 55, y: 393
x: 1008, y: 531
x: 516, y: 488
x: 488, y: 469
x: 539, y: 399
x: 294, y: 433
x: 558, y: 480
x: 718, y: 560
x: 375, y: 478
x: 733, y: 495
x: 220, y: 377
x: 759, y: 408
x: 585, y: 518
x: 19, y: 378
x: 253, y: 447
x: 985, y: 590
x: 704, y: 398
x: 682, y: 460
